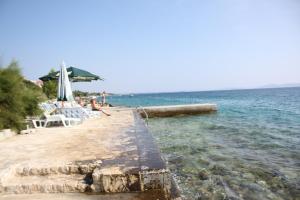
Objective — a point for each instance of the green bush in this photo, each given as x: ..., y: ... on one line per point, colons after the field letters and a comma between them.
x: 50, y: 87
x: 78, y: 93
x: 18, y: 98
x: 33, y: 95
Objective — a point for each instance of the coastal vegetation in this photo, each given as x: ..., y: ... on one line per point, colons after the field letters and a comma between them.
x: 50, y: 87
x: 18, y: 98
x: 78, y: 93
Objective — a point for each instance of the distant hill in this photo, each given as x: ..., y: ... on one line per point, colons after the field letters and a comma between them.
x: 281, y: 85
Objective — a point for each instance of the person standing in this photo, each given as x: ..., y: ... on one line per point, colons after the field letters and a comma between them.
x: 103, y: 98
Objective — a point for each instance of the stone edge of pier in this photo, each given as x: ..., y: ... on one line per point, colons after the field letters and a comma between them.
x: 175, y: 110
x: 152, y: 165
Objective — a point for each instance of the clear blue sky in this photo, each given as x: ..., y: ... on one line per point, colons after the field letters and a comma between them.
x: 156, y: 45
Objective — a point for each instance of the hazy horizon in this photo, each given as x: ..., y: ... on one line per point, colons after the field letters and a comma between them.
x: 213, y: 90
x: 156, y: 46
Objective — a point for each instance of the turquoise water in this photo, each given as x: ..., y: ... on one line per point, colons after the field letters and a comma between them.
x: 249, y: 149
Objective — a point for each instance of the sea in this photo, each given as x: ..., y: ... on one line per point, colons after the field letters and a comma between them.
x: 248, y: 149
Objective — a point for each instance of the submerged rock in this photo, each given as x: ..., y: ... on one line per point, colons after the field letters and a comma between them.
x: 219, y: 196
x: 176, y: 160
x: 203, y: 174
x: 219, y: 170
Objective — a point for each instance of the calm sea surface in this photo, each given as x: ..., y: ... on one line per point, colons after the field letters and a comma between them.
x: 249, y: 149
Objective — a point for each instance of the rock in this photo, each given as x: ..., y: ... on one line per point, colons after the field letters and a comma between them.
x: 106, y: 180
x: 248, y: 176
x: 27, y: 131
x: 219, y: 196
x: 176, y: 160
x: 33, y: 171
x: 203, y: 196
x: 82, y: 187
x: 73, y: 169
x: 262, y: 183
x: 219, y: 170
x: 203, y: 175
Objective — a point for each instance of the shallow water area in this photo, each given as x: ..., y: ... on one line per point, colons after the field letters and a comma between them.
x: 249, y: 149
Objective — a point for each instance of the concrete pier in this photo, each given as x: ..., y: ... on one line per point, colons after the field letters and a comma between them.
x: 169, y: 111
x: 103, y: 158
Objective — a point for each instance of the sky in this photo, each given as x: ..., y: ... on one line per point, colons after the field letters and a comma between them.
x: 156, y: 45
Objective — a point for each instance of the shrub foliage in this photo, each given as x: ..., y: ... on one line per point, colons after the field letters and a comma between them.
x: 78, y: 93
x: 18, y: 98
x: 50, y: 87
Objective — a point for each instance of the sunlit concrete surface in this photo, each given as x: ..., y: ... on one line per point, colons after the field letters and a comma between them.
x: 110, y: 154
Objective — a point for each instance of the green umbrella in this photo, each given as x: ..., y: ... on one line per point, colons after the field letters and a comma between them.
x: 75, y: 75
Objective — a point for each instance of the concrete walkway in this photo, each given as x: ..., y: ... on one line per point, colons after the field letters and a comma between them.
x: 102, y: 155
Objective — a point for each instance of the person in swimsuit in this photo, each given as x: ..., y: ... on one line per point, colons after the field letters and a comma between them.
x: 96, y: 107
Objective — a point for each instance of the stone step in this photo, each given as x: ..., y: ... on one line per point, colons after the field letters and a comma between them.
x: 149, y: 195
x: 84, y: 167
x: 60, y: 183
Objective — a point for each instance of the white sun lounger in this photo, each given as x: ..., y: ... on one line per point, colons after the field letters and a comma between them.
x: 48, y: 108
x: 67, y: 122
x: 78, y: 112
x: 58, y: 117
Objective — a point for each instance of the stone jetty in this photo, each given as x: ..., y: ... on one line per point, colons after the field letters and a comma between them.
x: 169, y: 111
x: 103, y: 158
